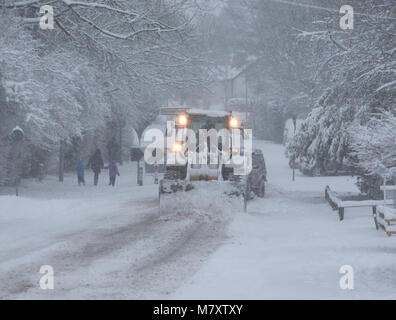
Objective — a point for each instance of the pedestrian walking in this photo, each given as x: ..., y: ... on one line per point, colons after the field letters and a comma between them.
x: 113, y: 172
x: 81, y: 172
x: 96, y: 164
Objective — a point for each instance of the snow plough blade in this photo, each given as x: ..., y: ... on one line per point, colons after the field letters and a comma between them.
x: 173, y: 186
x: 190, y: 196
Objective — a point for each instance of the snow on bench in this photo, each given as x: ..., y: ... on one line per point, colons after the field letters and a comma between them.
x: 338, y: 204
x: 386, y: 219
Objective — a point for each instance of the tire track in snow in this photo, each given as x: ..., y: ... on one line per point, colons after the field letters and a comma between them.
x: 151, y: 256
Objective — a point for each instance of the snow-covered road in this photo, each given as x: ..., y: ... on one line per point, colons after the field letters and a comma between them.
x: 102, y: 242
x: 111, y: 243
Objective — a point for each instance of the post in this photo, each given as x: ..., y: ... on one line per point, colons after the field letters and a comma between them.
x: 246, y: 193
x: 18, y: 169
x: 139, y: 174
x: 137, y: 171
x: 375, y: 216
x: 294, y: 136
x: 341, y: 213
x: 155, y: 173
x: 136, y: 156
x: 17, y: 135
x: 61, y: 160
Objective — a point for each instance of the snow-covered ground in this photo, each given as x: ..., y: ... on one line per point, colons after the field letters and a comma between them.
x: 110, y: 243
x: 292, y: 246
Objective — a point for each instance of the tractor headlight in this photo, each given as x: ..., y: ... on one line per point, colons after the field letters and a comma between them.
x: 177, y: 147
x: 182, y: 120
x: 234, y: 123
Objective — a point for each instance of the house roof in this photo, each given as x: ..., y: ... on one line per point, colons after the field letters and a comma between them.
x: 228, y: 72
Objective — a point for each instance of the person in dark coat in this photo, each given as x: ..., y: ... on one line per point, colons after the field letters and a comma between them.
x: 96, y: 164
x: 113, y: 172
x: 81, y: 172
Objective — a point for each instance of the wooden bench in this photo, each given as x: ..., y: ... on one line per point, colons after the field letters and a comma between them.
x: 340, y: 205
x: 387, y: 220
x: 386, y: 215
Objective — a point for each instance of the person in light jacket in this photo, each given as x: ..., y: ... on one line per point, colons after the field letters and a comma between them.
x: 81, y: 172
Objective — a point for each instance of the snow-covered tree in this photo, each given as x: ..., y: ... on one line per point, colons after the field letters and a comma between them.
x: 374, y: 144
x: 373, y: 149
x: 354, y: 74
x: 104, y: 62
x: 323, y: 138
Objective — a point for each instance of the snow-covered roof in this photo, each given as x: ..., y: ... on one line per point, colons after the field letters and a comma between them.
x: 192, y: 111
x: 209, y: 113
x: 228, y: 72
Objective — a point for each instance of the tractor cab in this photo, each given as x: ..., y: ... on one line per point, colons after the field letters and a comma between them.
x: 197, y: 130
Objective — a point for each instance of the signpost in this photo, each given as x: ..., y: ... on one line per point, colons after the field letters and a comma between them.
x: 17, y: 135
x: 137, y: 155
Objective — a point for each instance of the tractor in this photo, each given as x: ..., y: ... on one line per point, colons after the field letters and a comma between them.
x: 208, y: 145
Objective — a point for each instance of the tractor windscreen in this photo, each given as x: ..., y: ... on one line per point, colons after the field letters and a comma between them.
x: 204, y: 122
